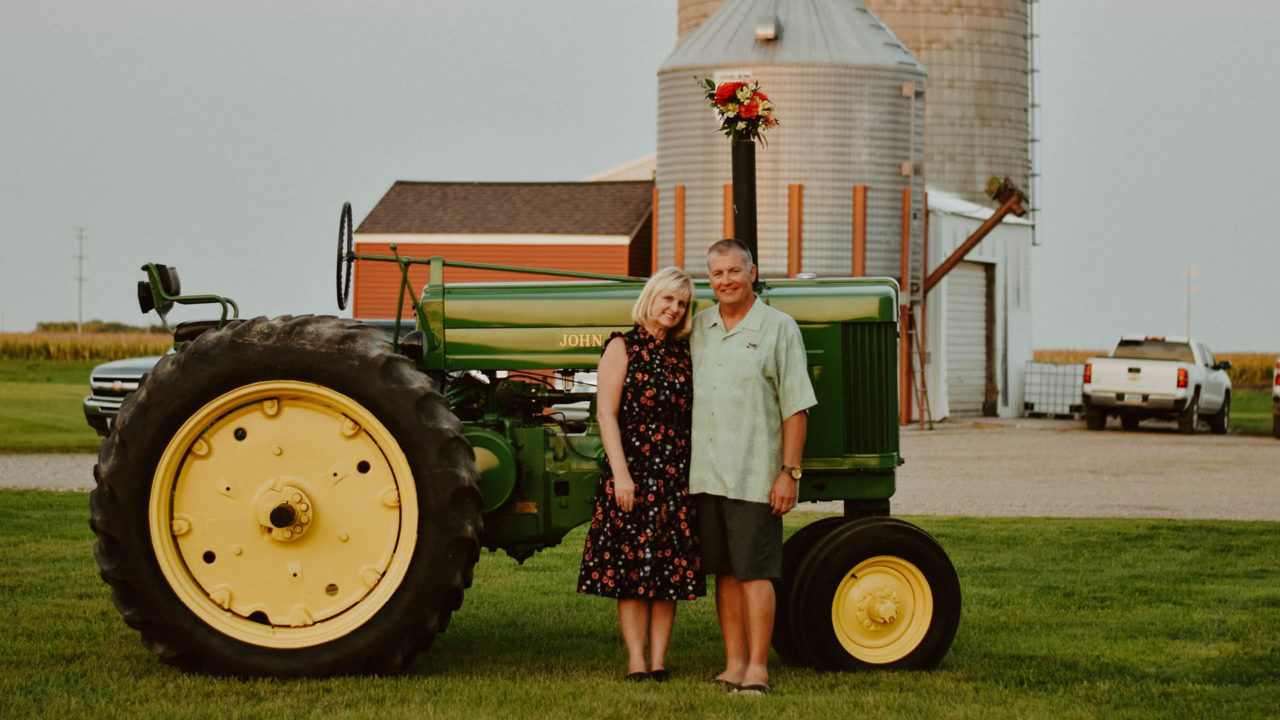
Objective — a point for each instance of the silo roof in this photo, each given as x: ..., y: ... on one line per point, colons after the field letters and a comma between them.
x: 826, y: 32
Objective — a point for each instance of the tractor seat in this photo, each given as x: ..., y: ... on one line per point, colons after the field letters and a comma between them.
x: 192, y: 329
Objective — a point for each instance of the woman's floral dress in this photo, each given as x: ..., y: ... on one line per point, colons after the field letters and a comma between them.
x: 651, y: 552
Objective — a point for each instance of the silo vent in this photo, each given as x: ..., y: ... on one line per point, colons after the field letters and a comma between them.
x: 767, y: 28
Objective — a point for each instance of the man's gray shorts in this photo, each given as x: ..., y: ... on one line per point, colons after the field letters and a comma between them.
x: 739, y: 537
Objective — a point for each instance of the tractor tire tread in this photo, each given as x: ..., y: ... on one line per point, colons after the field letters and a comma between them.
x: 354, y: 359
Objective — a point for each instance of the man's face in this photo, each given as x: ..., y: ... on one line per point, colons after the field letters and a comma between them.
x: 731, y: 277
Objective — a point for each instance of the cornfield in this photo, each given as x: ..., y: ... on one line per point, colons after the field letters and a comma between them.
x: 1248, y: 370
x: 89, y: 346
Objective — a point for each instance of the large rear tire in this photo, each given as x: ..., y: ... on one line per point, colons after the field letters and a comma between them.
x: 286, y: 497
x: 878, y: 593
x: 1095, y: 419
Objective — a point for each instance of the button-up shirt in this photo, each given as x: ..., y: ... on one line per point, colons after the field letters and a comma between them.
x: 746, y: 381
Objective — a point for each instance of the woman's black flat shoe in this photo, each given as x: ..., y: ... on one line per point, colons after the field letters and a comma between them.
x: 659, y: 675
x: 637, y: 677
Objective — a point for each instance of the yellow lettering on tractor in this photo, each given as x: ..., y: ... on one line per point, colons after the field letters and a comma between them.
x: 581, y: 340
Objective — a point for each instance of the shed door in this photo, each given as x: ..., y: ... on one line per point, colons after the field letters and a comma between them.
x: 968, y: 338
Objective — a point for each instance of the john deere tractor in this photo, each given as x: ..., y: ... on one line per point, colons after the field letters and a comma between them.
x: 307, y: 496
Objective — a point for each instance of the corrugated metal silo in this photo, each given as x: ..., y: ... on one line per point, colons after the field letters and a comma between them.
x: 691, y: 14
x: 837, y: 75
x: 976, y: 52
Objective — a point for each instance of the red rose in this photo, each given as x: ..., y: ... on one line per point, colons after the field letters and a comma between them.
x: 762, y: 96
x: 749, y: 110
x: 727, y: 91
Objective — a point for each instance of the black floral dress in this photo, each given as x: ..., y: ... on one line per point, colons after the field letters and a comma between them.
x: 651, y: 552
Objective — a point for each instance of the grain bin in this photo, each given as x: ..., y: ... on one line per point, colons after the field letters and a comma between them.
x: 976, y: 52
x: 850, y: 99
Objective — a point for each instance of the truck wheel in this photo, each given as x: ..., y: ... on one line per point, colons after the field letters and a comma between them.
x: 286, y: 497
x: 878, y: 593
x: 794, y: 551
x: 1095, y: 419
x: 1190, y: 417
x: 1220, y: 423
x: 1275, y: 425
x: 1129, y: 422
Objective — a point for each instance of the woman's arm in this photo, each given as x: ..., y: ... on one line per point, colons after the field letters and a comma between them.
x: 610, y: 376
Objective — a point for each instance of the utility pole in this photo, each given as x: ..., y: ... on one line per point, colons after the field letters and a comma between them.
x: 80, y: 281
x: 1191, y: 272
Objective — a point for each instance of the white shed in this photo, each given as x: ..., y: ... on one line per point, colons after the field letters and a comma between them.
x: 978, y: 318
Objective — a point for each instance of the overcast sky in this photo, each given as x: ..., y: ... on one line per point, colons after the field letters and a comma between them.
x: 223, y: 137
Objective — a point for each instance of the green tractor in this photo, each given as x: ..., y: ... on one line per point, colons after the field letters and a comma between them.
x: 307, y: 496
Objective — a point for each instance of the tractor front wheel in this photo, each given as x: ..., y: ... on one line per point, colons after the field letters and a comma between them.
x: 876, y: 593
x: 794, y: 551
x: 286, y: 497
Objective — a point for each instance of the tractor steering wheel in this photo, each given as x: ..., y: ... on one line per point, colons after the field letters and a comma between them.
x: 345, y: 256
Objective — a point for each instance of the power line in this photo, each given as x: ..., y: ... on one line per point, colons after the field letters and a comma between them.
x: 80, y: 280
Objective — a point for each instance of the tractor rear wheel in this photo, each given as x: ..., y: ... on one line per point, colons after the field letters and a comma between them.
x: 286, y: 497
x: 794, y: 551
x: 878, y: 593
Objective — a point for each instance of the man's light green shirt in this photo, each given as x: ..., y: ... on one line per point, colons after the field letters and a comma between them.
x: 745, y: 383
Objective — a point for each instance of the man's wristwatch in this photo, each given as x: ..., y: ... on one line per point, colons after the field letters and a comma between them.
x: 795, y: 472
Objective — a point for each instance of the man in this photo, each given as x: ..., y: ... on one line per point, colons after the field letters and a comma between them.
x: 751, y: 391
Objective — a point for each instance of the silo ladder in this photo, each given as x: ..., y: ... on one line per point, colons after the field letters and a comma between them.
x: 918, y: 382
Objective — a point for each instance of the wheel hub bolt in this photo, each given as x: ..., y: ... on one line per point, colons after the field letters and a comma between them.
x: 284, y: 511
x: 283, y: 515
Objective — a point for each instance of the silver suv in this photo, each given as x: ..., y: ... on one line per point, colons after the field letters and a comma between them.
x: 108, y: 384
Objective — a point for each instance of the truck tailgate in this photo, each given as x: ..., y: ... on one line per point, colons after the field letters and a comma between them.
x: 1120, y: 375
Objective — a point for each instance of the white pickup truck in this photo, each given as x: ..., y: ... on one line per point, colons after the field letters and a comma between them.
x: 1275, y: 400
x: 1157, y: 377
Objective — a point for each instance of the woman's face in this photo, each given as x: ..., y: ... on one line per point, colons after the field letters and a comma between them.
x: 668, y: 308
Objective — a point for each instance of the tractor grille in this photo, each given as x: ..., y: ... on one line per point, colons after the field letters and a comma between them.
x: 871, y: 379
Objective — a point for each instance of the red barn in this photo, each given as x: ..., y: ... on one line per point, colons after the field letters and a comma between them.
x: 602, y: 227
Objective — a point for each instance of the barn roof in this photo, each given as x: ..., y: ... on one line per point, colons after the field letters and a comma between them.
x: 569, y: 208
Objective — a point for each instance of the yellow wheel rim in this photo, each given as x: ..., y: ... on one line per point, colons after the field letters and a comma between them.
x: 283, y: 514
x: 882, y: 609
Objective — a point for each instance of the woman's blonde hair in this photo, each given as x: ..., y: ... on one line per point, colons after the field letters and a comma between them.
x: 668, y: 278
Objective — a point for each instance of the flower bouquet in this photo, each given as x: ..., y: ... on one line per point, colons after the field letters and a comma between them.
x: 744, y: 111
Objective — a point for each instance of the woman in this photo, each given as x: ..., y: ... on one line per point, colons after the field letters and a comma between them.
x: 642, y: 547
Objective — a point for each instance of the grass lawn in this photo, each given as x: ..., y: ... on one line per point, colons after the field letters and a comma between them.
x: 40, y: 406
x: 1062, y: 618
x: 1251, y: 412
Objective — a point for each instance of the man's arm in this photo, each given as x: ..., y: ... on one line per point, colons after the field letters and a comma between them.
x: 785, y: 488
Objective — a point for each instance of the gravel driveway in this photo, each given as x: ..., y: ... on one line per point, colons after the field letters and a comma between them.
x: 995, y: 467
